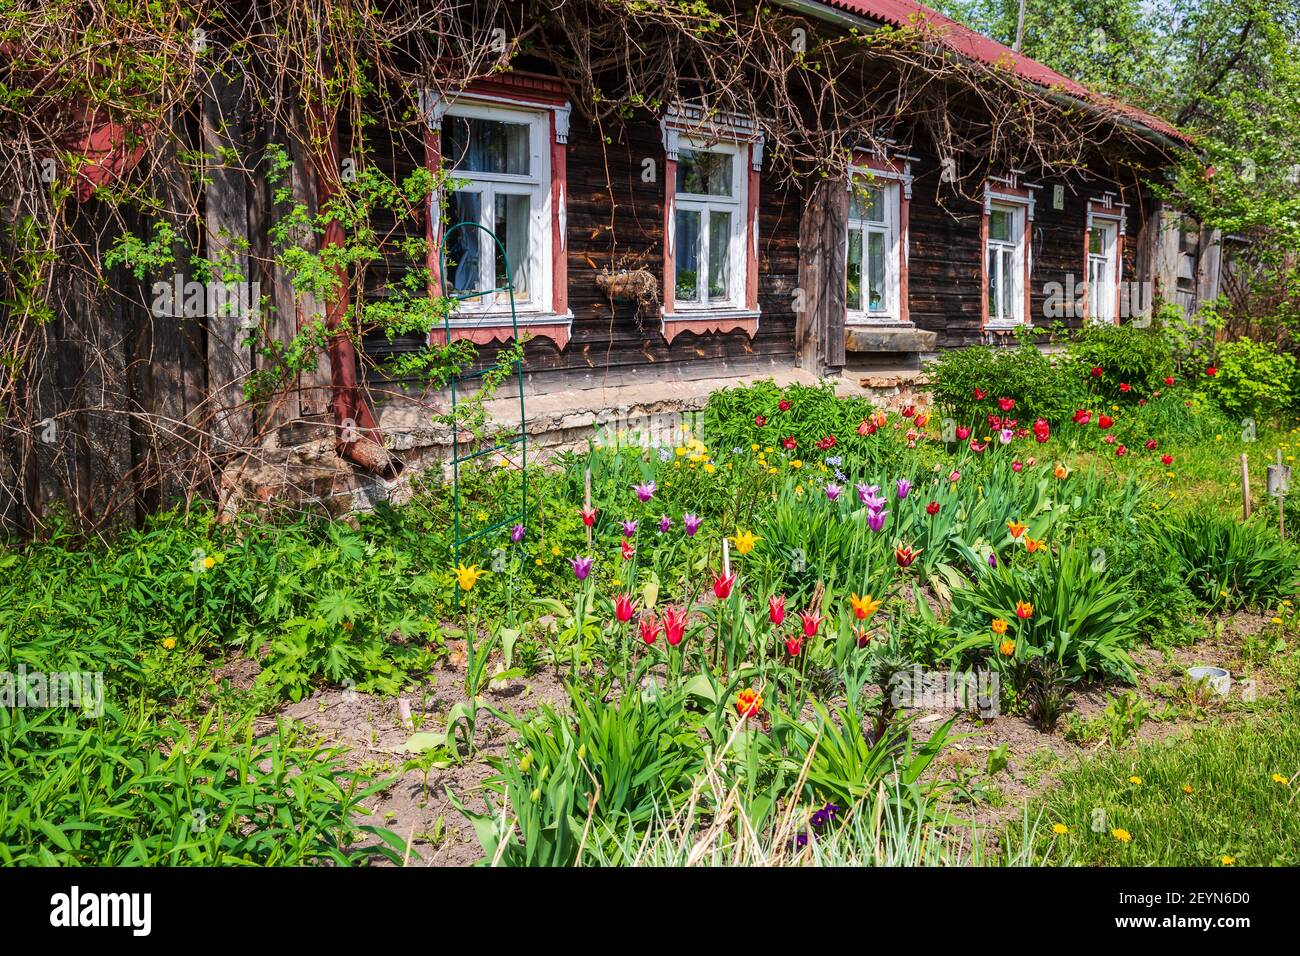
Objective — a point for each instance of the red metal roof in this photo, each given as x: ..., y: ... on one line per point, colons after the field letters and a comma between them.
x: 975, y: 46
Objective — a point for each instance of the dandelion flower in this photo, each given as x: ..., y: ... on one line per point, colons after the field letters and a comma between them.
x: 168, y: 643
x: 1060, y: 829
x: 1122, y: 835
x: 1136, y: 781
x: 1278, y: 778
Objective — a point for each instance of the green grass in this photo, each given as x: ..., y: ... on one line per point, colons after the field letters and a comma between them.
x: 1235, y: 807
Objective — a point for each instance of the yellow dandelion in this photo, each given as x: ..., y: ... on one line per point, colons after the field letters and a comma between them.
x: 1060, y: 829
x: 1278, y: 778
x: 1187, y: 788
x: 1136, y: 781
x: 1227, y: 860
x: 168, y: 643
x: 209, y: 562
x: 1122, y: 835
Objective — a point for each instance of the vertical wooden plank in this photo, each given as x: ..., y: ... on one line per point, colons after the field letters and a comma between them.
x: 819, y: 327
x: 226, y: 244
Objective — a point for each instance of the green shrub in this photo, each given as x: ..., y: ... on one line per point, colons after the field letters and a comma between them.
x: 1253, y: 379
x: 1039, y: 384
x: 1126, y: 354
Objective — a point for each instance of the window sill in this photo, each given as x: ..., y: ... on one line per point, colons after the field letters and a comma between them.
x: 704, y: 321
x: 487, y: 327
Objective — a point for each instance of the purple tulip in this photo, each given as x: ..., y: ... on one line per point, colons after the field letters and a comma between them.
x: 692, y: 524
x: 904, y: 488
x: 645, y: 492
x: 833, y: 492
x: 1006, y: 435
x: 629, y: 528
x: 993, y: 560
x: 581, y: 567
x: 876, y: 519
x: 517, y: 533
x: 664, y: 524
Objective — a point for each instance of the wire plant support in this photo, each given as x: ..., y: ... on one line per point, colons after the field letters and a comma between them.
x: 520, y: 438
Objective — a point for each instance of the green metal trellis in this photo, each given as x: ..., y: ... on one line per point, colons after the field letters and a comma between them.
x: 521, y: 438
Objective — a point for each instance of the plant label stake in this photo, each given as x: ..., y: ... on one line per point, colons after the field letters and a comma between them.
x: 1278, y: 484
x: 726, y: 558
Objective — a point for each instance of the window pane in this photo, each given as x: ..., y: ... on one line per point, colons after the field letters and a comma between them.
x: 463, y: 244
x: 1008, y: 284
x: 1000, y: 225
x: 868, y: 203
x: 687, y: 241
x: 485, y: 146
x: 704, y: 173
x: 855, y: 270
x: 511, y: 225
x: 995, y: 283
x: 876, y: 271
x: 719, y: 254
x: 1095, y: 245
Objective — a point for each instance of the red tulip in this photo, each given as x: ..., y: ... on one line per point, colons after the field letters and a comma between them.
x: 1006, y: 404
x: 932, y: 508
x: 978, y: 446
x: 649, y: 628
x: 907, y: 411
x: 1096, y: 371
x: 1109, y: 439
x: 1121, y: 451
x: 1105, y: 421
x: 827, y: 443
x: 789, y: 444
x: 905, y: 555
x: 1166, y: 460
x: 1016, y: 466
x: 1082, y: 417
x: 722, y: 585
x: 1151, y: 444
x: 674, y: 625
x: 980, y: 394
x: 588, y: 516
x: 1211, y: 371
x: 760, y: 421
x: 1125, y: 387
x: 863, y: 636
x: 995, y: 421
x: 776, y: 610
x: 624, y: 608
x: 962, y: 433
x: 811, y: 621
x: 628, y: 550
x: 1169, y: 380
x: 793, y: 645
x: 783, y: 405
x: 865, y: 427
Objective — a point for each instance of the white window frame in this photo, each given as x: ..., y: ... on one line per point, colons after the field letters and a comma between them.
x: 891, y: 200
x: 1107, y: 295
x: 737, y: 205
x: 1019, y: 213
x: 536, y: 185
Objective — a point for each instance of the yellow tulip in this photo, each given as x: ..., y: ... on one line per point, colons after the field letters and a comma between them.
x: 467, y: 577
x: 744, y: 541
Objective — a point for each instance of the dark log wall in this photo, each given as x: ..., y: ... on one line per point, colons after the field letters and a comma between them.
x: 615, y: 219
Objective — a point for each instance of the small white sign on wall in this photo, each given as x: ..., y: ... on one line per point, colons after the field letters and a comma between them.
x: 1058, y: 197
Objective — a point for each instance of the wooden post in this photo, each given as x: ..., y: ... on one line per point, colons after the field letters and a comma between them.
x: 226, y: 220
x: 820, y: 299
